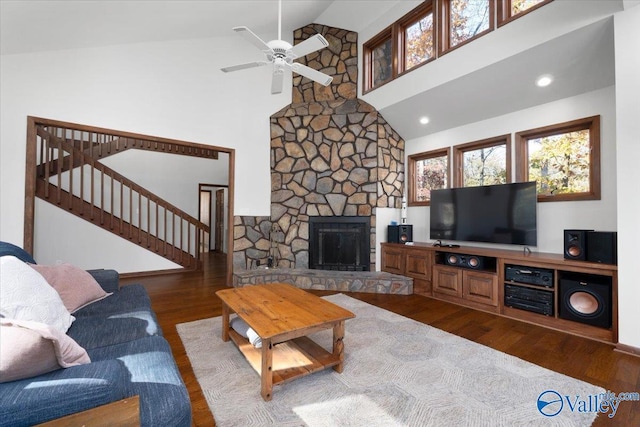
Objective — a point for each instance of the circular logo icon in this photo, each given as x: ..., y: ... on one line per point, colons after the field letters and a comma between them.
x: 550, y: 403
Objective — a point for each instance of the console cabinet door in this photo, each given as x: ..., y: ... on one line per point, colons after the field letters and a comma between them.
x: 447, y: 280
x: 392, y: 260
x: 418, y: 266
x: 480, y: 287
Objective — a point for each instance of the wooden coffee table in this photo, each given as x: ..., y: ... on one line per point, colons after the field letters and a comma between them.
x: 283, y: 314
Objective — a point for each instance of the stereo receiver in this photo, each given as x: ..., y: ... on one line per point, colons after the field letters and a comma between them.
x: 529, y: 275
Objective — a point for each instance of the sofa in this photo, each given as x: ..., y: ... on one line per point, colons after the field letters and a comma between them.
x: 126, y: 355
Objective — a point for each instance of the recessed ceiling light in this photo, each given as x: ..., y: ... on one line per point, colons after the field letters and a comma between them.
x: 424, y: 120
x: 544, y: 80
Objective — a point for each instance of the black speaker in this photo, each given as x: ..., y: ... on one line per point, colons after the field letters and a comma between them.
x: 586, y: 299
x: 575, y: 244
x: 400, y: 233
x: 466, y: 261
x: 602, y: 246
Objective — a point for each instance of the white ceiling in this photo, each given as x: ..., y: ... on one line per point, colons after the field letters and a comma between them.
x: 581, y: 61
x: 31, y: 26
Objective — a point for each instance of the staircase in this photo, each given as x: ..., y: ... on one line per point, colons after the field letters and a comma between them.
x: 69, y: 174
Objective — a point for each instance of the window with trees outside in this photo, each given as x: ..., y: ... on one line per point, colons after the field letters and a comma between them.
x: 563, y: 159
x: 511, y: 9
x: 418, y: 37
x: 464, y: 20
x: 431, y: 30
x: 427, y: 171
x: 404, y: 45
x: 485, y: 162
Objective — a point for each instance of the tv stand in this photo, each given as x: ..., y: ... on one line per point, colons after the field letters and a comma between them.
x: 485, y: 285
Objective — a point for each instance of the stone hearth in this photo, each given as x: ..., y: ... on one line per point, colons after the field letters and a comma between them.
x: 342, y: 281
x: 331, y: 155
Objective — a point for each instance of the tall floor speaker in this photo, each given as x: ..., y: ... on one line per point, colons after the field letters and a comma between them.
x: 586, y: 299
x: 400, y: 233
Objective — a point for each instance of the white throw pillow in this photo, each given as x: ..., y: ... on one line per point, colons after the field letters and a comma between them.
x: 26, y: 295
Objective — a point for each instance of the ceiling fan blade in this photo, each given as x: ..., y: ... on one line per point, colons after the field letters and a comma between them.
x: 244, y: 66
x: 252, y: 38
x: 312, y: 74
x: 276, y: 81
x: 311, y: 44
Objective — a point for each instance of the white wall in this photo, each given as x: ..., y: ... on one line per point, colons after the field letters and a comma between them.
x: 627, y: 34
x: 168, y: 89
x: 553, y: 217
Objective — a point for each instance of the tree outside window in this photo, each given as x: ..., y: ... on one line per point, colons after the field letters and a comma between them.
x: 419, y: 41
x: 485, y: 162
x: 563, y: 159
x: 467, y: 19
x: 519, y: 6
x: 511, y: 9
x: 427, y: 171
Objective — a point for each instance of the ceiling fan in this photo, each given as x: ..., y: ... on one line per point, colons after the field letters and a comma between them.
x: 281, y: 54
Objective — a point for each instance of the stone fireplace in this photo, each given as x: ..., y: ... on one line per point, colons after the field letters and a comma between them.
x: 339, y: 243
x: 332, y: 155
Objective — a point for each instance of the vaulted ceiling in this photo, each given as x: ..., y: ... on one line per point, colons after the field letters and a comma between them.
x: 582, y: 60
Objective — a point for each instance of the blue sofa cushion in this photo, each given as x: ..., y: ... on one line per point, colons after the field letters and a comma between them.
x: 108, y: 279
x: 11, y: 249
x: 99, y: 331
x: 154, y: 376
x: 62, y: 392
x: 128, y: 298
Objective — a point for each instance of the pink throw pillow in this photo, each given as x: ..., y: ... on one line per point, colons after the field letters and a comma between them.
x: 77, y: 288
x: 33, y: 348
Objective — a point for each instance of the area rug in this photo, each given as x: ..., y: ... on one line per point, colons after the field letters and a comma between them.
x: 397, y: 372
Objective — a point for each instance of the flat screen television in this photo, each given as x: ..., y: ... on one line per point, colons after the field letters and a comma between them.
x: 504, y: 213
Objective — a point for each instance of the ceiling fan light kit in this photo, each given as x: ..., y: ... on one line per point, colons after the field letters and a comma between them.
x: 281, y: 55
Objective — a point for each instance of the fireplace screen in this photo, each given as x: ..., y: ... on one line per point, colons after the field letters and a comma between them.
x: 339, y: 243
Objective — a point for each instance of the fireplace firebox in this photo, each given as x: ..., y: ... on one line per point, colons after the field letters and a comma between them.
x: 339, y: 243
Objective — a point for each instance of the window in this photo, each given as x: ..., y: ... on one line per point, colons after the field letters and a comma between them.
x: 382, y: 58
x: 406, y: 44
x: 511, y: 9
x: 431, y: 29
x: 563, y: 159
x: 464, y: 20
x: 485, y: 162
x: 417, y: 36
x: 427, y: 171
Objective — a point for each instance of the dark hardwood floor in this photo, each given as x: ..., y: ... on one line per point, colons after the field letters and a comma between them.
x: 184, y: 297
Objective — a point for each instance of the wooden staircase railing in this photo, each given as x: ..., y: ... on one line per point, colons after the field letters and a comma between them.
x: 69, y: 175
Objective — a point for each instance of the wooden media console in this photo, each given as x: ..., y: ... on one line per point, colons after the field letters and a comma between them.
x: 475, y: 277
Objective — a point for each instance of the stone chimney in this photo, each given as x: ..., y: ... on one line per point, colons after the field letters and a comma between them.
x: 332, y: 154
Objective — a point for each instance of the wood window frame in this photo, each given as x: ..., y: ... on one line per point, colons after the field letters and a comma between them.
x: 444, y: 28
x: 396, y: 32
x: 407, y: 20
x: 411, y: 168
x: 367, y: 59
x: 504, y: 15
x: 588, y: 123
x: 459, y: 150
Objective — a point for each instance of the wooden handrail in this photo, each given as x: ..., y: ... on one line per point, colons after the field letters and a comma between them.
x: 124, y: 180
x: 60, y: 154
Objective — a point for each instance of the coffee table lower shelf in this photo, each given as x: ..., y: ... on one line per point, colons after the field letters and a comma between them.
x: 291, y: 359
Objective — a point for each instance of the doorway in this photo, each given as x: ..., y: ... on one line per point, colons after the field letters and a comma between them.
x: 214, y: 199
